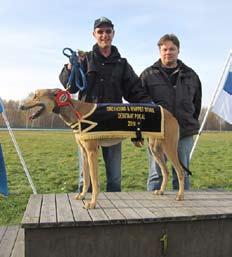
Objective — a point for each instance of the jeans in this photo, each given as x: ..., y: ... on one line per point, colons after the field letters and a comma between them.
x: 155, y: 178
x: 112, y: 159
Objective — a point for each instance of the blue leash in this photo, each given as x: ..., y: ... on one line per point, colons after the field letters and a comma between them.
x: 77, y: 75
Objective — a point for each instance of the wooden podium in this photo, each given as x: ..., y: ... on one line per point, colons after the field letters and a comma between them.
x: 137, y: 224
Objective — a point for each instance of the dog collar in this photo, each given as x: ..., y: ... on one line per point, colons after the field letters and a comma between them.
x: 62, y: 99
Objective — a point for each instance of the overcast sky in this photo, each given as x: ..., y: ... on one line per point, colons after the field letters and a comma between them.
x: 34, y: 33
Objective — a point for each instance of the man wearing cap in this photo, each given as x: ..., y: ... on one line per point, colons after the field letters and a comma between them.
x: 110, y: 78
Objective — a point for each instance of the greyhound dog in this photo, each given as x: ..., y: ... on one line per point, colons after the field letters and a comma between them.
x: 74, y: 113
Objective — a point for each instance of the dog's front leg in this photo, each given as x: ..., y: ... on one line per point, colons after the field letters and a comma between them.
x: 85, y: 171
x: 91, y: 148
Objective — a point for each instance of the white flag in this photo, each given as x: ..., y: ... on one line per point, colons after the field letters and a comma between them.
x: 223, y: 103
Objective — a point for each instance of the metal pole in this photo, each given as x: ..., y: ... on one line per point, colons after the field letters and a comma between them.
x: 211, y: 103
x: 18, y: 151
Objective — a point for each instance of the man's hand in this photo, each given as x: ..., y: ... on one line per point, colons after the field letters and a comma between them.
x: 81, y: 56
x: 69, y: 66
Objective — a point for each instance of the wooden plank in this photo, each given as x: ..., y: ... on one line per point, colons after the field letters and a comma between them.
x: 119, y: 203
x: 145, y: 203
x: 211, y: 212
x: 184, y: 212
x: 105, y: 203
x: 133, y: 203
x: 146, y: 215
x: 102, y: 196
x: 188, y: 213
x: 151, y: 196
x: 224, y: 203
x: 202, y: 213
x: 112, y: 196
x: 130, y: 215
x: 206, y: 195
x: 8, y: 240
x: 163, y: 213
x: 64, y: 211
x: 157, y: 203
x: 2, y: 232
x: 141, y: 195
x: 48, y: 216
x: 98, y: 216
x: 19, y: 247
x: 115, y: 216
x: 227, y: 210
x: 81, y: 215
x: 124, y: 195
x: 31, y: 216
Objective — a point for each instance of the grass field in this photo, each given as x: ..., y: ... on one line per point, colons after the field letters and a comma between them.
x: 51, y: 158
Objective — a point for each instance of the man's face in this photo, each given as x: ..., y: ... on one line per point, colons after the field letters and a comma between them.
x: 104, y: 36
x: 169, y: 54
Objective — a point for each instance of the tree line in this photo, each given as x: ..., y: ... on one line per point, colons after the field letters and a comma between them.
x: 20, y: 119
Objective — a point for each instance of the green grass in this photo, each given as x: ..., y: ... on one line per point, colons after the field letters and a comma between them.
x: 51, y: 158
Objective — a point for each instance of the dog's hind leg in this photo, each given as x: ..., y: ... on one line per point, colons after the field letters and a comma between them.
x: 172, y: 154
x: 85, y: 170
x: 158, y: 154
x: 170, y: 146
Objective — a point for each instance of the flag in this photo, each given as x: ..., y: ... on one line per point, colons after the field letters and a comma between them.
x: 223, y: 103
x: 1, y: 106
x: 3, y: 177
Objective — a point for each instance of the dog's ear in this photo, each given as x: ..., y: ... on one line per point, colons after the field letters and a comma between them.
x: 54, y: 91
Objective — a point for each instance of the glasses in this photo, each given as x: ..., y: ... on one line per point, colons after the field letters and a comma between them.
x: 107, y: 31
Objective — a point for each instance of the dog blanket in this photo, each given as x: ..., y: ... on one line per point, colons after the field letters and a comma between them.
x: 121, y: 121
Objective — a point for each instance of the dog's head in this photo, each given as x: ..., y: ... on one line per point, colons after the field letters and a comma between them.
x: 43, y: 100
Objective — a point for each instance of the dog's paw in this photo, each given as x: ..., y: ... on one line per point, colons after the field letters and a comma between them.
x: 158, y: 192
x: 137, y: 142
x: 90, y: 205
x: 179, y: 197
x: 79, y: 196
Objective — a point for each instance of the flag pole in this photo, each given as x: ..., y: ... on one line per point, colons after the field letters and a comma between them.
x: 210, y: 105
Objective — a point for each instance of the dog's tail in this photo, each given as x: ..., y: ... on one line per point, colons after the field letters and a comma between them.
x: 186, y: 169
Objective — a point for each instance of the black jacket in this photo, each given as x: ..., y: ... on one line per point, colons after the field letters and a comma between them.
x: 183, y: 100
x: 109, y: 79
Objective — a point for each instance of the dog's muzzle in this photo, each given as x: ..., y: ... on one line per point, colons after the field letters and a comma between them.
x: 37, y: 113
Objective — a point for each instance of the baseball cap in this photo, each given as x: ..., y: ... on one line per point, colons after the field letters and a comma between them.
x: 103, y: 20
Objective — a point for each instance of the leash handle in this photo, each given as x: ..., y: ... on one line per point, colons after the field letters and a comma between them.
x: 77, y: 76
x: 68, y: 49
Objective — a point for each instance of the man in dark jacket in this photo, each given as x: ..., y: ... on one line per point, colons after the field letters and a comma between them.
x: 109, y: 78
x: 177, y: 88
